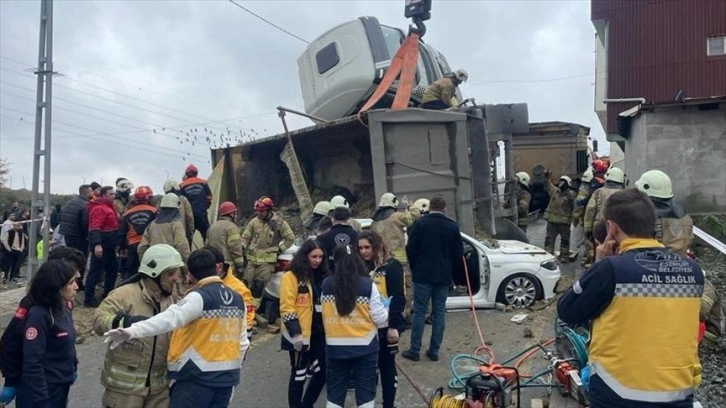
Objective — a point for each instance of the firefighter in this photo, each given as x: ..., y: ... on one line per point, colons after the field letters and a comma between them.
x: 123, y: 196
x: 578, y: 212
x: 133, y: 225
x: 264, y: 237
x: 712, y: 314
x: 614, y: 181
x: 673, y: 227
x: 599, y: 168
x: 422, y: 204
x: 148, y: 292
x: 209, y: 338
x: 185, y: 208
x: 224, y: 235
x: 390, y: 224
x: 321, y: 210
x: 197, y: 191
x: 340, y: 201
x: 523, y: 199
x: 559, y: 215
x: 441, y: 94
x: 166, y: 228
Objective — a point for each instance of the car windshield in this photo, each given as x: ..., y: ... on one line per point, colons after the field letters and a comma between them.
x: 393, y: 38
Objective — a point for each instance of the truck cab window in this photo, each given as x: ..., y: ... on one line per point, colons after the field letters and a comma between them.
x: 327, y: 58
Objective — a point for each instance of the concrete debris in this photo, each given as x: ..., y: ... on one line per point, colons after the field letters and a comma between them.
x: 518, y: 318
x: 501, y: 307
x: 563, y: 284
x: 527, y: 333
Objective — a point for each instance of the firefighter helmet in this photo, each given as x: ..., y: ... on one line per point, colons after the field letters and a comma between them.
x: 322, y: 208
x: 599, y: 166
x: 615, y: 175
x: 655, y: 183
x: 158, y: 258
x: 227, y: 208
x: 191, y: 170
x: 567, y: 179
x: 143, y: 193
x: 588, y: 175
x: 523, y: 178
x: 123, y: 185
x: 422, y: 204
x: 461, y: 75
x: 339, y: 201
x: 264, y: 203
x: 170, y: 200
x: 388, y: 200
x: 170, y: 185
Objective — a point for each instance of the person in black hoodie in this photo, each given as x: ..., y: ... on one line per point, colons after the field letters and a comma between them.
x: 49, y: 344
x: 340, y: 234
x: 11, y: 341
x: 387, y: 274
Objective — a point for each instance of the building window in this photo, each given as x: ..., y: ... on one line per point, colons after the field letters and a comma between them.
x: 716, y: 45
x: 327, y: 58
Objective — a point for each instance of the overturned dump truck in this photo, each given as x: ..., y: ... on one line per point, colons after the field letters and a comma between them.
x: 412, y: 153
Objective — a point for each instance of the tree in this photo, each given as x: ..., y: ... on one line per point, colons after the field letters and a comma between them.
x: 4, y: 171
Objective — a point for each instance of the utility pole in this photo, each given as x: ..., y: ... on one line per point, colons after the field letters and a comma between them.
x: 42, y: 135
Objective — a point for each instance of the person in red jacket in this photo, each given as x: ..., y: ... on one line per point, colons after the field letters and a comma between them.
x: 103, y: 224
x: 197, y: 191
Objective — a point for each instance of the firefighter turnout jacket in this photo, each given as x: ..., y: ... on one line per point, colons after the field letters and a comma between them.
x: 265, y: 239
x: 224, y: 235
x: 392, y: 229
x: 442, y: 89
x: 138, y: 366
x: 210, y: 336
x: 635, y: 355
x: 356, y: 334
x: 593, y: 211
x: 559, y: 209
x: 523, y: 199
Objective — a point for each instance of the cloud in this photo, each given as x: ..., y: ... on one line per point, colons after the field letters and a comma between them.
x: 141, y: 76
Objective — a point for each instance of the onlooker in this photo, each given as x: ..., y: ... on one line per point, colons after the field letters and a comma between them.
x: 634, y: 283
x: 74, y: 223
x: 102, y: 237
x: 55, y: 216
x: 14, y: 245
x: 435, y: 252
x: 49, y: 348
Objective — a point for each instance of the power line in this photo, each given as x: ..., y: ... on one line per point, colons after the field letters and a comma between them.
x: 94, y: 131
x: 269, y: 22
x: 529, y: 81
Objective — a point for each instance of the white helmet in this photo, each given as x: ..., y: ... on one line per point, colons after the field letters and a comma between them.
x: 170, y: 185
x: 170, y: 200
x: 461, y: 75
x: 123, y: 185
x: 588, y: 175
x: 655, y: 183
x: 322, y: 208
x: 159, y: 258
x: 567, y: 179
x: 422, y: 204
x: 388, y: 200
x: 523, y: 178
x: 615, y: 175
x: 339, y: 201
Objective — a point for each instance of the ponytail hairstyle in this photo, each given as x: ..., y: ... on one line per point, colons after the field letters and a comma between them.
x: 349, y: 267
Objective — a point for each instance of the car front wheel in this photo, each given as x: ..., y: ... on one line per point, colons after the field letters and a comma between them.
x: 519, y: 291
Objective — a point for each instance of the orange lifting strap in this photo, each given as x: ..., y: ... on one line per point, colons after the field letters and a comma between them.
x: 404, y: 63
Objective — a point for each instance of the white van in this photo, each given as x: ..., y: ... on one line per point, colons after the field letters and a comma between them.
x: 340, y: 69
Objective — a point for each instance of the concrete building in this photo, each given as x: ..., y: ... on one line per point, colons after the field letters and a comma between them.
x: 660, y: 92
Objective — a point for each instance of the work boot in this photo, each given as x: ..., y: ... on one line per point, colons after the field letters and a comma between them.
x: 261, y: 321
x: 273, y: 329
x: 564, y: 259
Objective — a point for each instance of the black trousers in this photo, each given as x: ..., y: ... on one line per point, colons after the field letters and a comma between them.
x: 201, y: 224
x: 387, y: 370
x: 187, y: 394
x: 106, y: 263
x: 309, y: 363
x: 12, y: 260
x: 435, y: 105
x: 360, y: 371
x: 57, y: 396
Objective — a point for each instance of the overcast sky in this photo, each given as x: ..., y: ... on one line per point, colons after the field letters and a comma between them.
x: 137, y: 75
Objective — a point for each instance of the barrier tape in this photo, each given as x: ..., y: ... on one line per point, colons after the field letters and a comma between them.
x: 29, y: 221
x: 715, y: 243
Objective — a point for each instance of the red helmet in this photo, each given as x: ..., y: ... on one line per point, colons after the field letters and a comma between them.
x: 191, y: 169
x: 143, y: 193
x: 227, y: 207
x: 599, y: 166
x: 264, y: 203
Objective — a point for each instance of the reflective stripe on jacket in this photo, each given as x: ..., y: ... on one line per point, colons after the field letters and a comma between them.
x: 265, y: 239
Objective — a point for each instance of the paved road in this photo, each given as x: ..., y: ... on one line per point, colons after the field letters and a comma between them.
x: 266, y: 370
